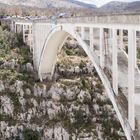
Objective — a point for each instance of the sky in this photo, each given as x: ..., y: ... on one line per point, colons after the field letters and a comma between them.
x: 99, y: 3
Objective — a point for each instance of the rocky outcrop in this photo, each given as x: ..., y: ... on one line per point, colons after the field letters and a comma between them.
x: 68, y: 104
x: 6, y: 106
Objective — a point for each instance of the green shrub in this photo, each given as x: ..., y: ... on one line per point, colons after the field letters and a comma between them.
x: 15, y: 100
x: 19, y: 39
x: 138, y: 53
x: 29, y: 134
x: 6, y: 27
x: 9, y: 119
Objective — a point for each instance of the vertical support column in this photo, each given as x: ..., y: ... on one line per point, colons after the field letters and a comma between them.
x: 110, y: 34
x: 15, y: 28
x: 115, y: 61
x: 91, y: 39
x: 82, y: 33
x: 30, y: 38
x: 110, y: 43
x: 12, y: 25
x: 121, y: 39
x: 102, y: 59
x: 131, y: 77
x: 23, y: 26
x: 135, y: 48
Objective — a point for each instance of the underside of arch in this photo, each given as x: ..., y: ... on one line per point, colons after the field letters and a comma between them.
x: 49, y: 54
x: 51, y: 48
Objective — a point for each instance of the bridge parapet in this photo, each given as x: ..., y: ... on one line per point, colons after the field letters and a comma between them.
x: 126, y: 19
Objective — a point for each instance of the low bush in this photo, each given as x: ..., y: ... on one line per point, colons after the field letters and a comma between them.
x: 29, y: 134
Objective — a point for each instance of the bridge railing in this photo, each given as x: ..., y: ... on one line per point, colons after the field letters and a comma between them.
x: 127, y: 19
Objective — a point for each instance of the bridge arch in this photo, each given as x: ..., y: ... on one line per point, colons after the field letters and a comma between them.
x: 49, y: 55
x: 53, y: 44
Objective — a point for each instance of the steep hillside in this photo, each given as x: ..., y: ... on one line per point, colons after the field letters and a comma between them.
x: 43, y: 3
x: 114, y: 6
x: 121, y: 7
x: 88, y: 5
x: 134, y: 6
x: 72, y: 106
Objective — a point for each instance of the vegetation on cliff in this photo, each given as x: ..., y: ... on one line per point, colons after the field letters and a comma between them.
x: 74, y: 105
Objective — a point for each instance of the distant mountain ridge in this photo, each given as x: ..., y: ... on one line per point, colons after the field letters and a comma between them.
x: 111, y: 8
x: 117, y: 6
x: 134, y: 6
x: 47, y: 3
x: 89, y: 5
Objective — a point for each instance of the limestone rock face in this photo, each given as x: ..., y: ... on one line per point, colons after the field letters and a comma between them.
x: 7, y: 106
x: 18, y: 85
x: 28, y: 91
x: 58, y: 133
x: 39, y: 91
x: 1, y: 86
x: 56, y: 92
x: 69, y: 107
x: 84, y: 94
x: 29, y: 67
x: 70, y: 94
x: 10, y: 64
x: 10, y: 131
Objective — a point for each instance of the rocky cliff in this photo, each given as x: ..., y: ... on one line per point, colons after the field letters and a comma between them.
x: 72, y: 106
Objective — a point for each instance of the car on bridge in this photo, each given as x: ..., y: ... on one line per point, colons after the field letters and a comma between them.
x: 62, y: 15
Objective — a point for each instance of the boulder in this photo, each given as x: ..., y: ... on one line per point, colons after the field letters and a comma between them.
x: 18, y: 85
x: 7, y: 106
x: 28, y: 91
x: 10, y: 64
x: 84, y: 95
x: 29, y: 67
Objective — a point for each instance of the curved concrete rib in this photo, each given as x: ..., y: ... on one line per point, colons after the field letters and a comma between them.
x: 49, y: 53
x: 48, y: 59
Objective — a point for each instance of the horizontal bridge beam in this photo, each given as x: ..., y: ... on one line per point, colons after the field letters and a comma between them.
x: 109, y: 26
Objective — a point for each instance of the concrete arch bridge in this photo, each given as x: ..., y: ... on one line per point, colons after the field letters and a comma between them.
x: 111, y: 43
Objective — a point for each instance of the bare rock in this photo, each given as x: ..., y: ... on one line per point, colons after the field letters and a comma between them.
x: 18, y: 85
x: 29, y: 67
x: 2, y: 87
x: 7, y: 106
x: 28, y: 91
x: 84, y: 95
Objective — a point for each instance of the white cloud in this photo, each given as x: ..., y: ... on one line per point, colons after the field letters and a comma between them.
x: 99, y: 3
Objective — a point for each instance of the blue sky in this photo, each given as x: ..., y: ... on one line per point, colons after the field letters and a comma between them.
x: 102, y: 2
